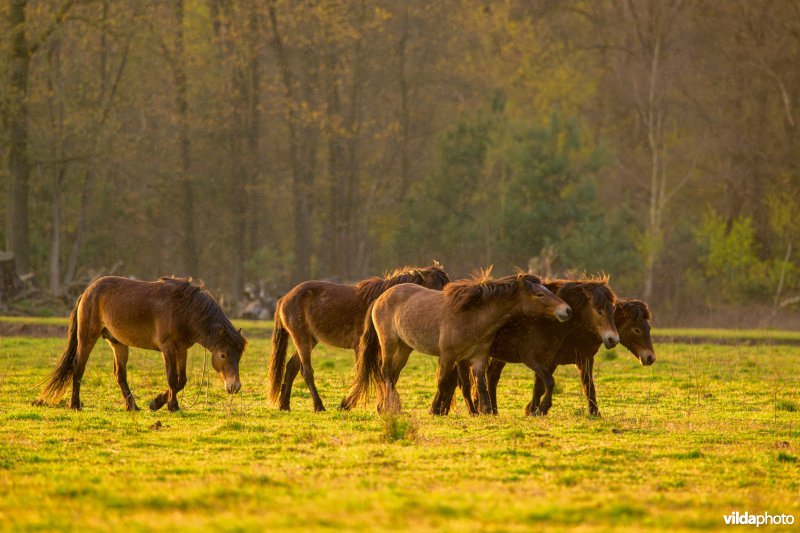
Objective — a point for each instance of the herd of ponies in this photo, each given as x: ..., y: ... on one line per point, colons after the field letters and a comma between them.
x: 474, y: 326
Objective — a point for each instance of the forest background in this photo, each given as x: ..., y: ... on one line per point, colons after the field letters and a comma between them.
x: 244, y: 141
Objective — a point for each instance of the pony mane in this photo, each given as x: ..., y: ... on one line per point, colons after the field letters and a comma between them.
x: 370, y: 288
x: 636, y: 309
x: 482, y: 288
x: 198, y: 307
x: 574, y: 292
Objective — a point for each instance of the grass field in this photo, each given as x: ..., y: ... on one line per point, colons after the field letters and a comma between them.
x: 261, y: 328
x: 707, y: 430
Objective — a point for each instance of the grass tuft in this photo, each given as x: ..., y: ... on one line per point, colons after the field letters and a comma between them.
x: 399, y: 428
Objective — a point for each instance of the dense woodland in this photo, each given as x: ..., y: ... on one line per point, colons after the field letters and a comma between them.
x: 241, y: 141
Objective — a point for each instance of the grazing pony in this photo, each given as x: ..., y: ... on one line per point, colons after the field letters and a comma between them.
x: 536, y: 341
x: 169, y: 315
x: 456, y: 324
x: 319, y: 311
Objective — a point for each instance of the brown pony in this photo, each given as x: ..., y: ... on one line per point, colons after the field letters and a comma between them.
x: 536, y: 341
x: 632, y: 318
x: 169, y: 315
x: 456, y: 324
x: 319, y: 311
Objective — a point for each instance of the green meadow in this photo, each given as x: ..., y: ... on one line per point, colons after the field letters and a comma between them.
x: 709, y: 429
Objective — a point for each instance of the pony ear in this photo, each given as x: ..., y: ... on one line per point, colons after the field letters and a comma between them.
x: 240, y: 332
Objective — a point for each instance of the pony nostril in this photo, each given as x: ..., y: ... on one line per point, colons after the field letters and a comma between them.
x: 611, y: 341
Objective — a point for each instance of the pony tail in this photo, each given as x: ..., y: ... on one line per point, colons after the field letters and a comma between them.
x: 277, y: 364
x: 58, y: 381
x: 368, y: 369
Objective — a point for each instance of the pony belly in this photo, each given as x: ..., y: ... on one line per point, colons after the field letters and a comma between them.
x: 135, y: 337
x: 339, y: 339
x: 422, y: 343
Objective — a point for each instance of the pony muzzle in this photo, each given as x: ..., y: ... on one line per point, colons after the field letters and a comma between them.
x: 563, y: 313
x: 233, y: 386
x: 647, y: 358
x: 610, y: 339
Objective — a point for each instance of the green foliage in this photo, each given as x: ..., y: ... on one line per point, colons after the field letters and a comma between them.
x: 729, y: 256
x: 506, y: 188
x: 448, y: 208
x: 731, y: 265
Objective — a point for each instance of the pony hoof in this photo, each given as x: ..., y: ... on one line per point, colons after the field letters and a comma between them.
x: 132, y: 408
x: 284, y: 408
x: 78, y: 407
x: 318, y: 408
x: 173, y: 408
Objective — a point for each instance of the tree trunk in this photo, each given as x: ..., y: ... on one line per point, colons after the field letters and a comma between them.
x: 55, y: 242
x: 249, y: 229
x: 300, y: 158
x: 80, y: 231
x: 355, y: 234
x: 18, y: 163
x: 405, y: 115
x: 186, y: 182
x: 333, y: 243
x: 107, y: 93
x: 10, y: 284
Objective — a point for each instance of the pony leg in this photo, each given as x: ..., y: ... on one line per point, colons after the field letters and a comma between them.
x: 171, y: 369
x: 447, y: 380
x: 538, y: 391
x: 178, y: 382
x: 86, y: 342
x: 393, y: 363
x: 292, y: 368
x: 304, y: 348
x: 121, y: 373
x: 586, y: 369
x: 545, y: 374
x: 547, y: 399
x: 479, y: 365
x: 465, y: 383
x: 493, y: 375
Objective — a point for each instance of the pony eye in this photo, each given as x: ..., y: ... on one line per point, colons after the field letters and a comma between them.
x: 540, y: 295
x: 222, y: 356
x: 637, y: 331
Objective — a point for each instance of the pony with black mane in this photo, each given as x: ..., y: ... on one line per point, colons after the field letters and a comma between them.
x: 538, y: 342
x: 331, y: 313
x: 632, y: 318
x: 169, y: 315
x: 457, y: 324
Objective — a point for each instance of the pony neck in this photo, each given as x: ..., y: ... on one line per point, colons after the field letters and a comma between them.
x: 214, y: 339
x: 495, y: 314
